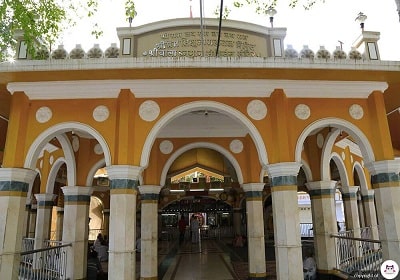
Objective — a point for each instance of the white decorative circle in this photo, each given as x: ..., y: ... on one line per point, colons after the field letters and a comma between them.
x: 236, y: 146
x: 149, y: 110
x: 101, y: 113
x: 356, y: 111
x: 43, y: 114
x: 343, y: 156
x: 320, y: 140
x: 166, y: 147
x: 302, y: 111
x: 97, y: 149
x: 51, y: 160
x: 257, y: 109
x: 75, y: 143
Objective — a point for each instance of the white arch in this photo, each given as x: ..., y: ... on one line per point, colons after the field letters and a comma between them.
x: 53, y: 174
x: 191, y: 146
x: 361, y: 175
x: 210, y: 105
x: 28, y: 197
x: 56, y: 130
x: 326, y: 154
x: 344, y: 178
x: 69, y: 158
x: 307, y: 170
x: 348, y: 127
x: 89, y: 179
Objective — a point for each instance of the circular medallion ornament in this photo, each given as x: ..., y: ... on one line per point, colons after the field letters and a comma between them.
x: 97, y: 149
x: 43, y: 114
x: 320, y: 140
x: 356, y: 111
x: 101, y: 113
x: 302, y: 111
x: 75, y: 143
x: 257, y: 109
x: 236, y: 146
x: 149, y: 110
x: 223, y: 196
x: 51, y: 160
x: 166, y: 147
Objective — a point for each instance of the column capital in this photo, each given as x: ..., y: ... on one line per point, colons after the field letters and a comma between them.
x: 384, y: 166
x: 321, y: 189
x: 124, y: 172
x: 253, y: 187
x: 149, y: 189
x: 283, y: 169
x: 77, y: 195
x: 350, y: 189
x: 45, y: 197
x: 16, y: 181
x: 369, y: 196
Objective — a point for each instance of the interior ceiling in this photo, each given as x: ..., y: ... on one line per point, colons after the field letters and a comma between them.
x: 203, y: 123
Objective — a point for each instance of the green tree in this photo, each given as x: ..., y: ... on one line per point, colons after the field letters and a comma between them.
x: 42, y: 21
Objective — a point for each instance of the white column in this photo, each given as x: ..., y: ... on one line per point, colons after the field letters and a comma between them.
x: 370, y: 214
x: 75, y: 229
x: 60, y: 222
x: 386, y: 183
x: 106, y: 222
x: 288, y: 255
x: 322, y: 194
x: 149, y: 232
x: 43, y: 219
x: 361, y: 211
x: 123, y: 191
x: 32, y: 221
x: 255, y: 230
x: 349, y: 197
x: 14, y: 185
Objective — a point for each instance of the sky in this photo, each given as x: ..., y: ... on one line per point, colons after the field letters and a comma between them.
x: 323, y: 25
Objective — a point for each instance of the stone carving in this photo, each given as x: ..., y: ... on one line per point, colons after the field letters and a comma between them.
x: 339, y: 54
x: 59, y: 53
x: 149, y: 110
x: 236, y: 146
x: 257, y: 109
x: 302, y: 111
x: 77, y: 52
x: 356, y: 111
x: 322, y: 53
x: 290, y: 52
x: 166, y: 147
x: 101, y: 113
x: 112, y: 51
x: 95, y: 52
x: 355, y: 54
x: 97, y: 149
x: 320, y: 140
x: 43, y: 114
x: 306, y: 52
x: 75, y: 143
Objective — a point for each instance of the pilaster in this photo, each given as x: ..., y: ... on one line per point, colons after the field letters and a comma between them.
x: 370, y: 214
x: 124, y: 180
x: 386, y: 184
x: 283, y: 179
x: 75, y: 229
x: 59, y: 223
x: 14, y: 185
x: 106, y: 222
x: 237, y: 221
x: 149, y: 232
x: 255, y: 230
x: 322, y: 194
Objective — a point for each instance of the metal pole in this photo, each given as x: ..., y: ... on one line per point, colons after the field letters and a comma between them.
x: 201, y: 28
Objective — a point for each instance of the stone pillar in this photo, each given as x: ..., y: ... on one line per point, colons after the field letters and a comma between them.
x: 361, y: 211
x: 237, y: 221
x: 349, y: 197
x: 288, y: 255
x: 14, y: 185
x: 32, y: 221
x: 75, y: 229
x: 322, y: 194
x: 124, y: 180
x: 59, y: 223
x: 106, y: 222
x: 370, y: 214
x: 45, y: 203
x: 255, y: 230
x: 386, y: 183
x: 149, y: 232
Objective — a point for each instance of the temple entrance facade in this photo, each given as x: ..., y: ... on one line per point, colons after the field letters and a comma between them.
x: 116, y: 136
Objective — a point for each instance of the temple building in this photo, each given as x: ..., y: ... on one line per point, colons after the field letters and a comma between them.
x: 256, y: 140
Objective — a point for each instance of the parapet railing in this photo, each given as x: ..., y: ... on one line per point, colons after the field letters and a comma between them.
x: 44, y: 264
x: 357, y: 255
